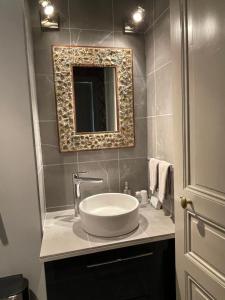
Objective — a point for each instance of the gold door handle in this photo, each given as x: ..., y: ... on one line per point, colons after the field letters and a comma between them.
x: 184, y: 202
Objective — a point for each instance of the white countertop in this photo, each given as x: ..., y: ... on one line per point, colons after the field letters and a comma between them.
x: 63, y: 236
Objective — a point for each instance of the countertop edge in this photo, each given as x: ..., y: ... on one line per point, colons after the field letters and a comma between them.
x: 101, y: 248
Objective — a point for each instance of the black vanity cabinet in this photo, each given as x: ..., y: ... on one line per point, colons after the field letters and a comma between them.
x: 143, y: 272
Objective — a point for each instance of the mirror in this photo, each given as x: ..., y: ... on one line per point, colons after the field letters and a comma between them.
x: 95, y: 98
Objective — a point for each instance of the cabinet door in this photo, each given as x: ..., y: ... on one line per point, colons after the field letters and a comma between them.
x: 126, y: 274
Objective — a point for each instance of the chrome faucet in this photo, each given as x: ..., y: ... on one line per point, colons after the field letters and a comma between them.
x: 77, y: 180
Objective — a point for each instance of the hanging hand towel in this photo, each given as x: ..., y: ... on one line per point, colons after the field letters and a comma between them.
x: 153, y: 174
x: 164, y: 168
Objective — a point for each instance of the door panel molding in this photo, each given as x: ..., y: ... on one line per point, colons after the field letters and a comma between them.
x: 185, y: 92
x: 195, y: 291
x: 199, y: 231
x: 216, y: 195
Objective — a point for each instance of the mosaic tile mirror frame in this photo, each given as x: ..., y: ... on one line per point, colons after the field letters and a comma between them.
x: 64, y: 60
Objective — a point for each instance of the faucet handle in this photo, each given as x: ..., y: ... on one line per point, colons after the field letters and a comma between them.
x: 76, y: 174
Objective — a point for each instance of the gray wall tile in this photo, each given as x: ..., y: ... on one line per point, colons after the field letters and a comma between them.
x: 149, y: 50
x: 151, y: 137
x: 165, y: 145
x: 164, y: 90
x: 43, y: 42
x: 49, y: 133
x: 136, y: 42
x: 162, y: 40
x: 108, y: 170
x: 134, y: 171
x: 160, y: 6
x: 140, y: 94
x: 58, y: 185
x: 52, y: 155
x: 92, y: 38
x: 140, y: 149
x: 159, y: 86
x: 151, y: 109
x: 46, y: 97
x: 91, y: 14
x: 96, y: 155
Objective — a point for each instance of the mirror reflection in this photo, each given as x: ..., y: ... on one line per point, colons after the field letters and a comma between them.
x: 95, y: 98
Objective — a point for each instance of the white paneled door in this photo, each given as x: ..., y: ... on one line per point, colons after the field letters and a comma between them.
x: 198, y: 48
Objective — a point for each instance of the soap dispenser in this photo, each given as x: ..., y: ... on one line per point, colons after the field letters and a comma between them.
x: 126, y: 188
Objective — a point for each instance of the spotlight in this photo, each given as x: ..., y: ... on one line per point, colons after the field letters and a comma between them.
x: 49, y: 10
x: 44, y: 3
x: 49, y: 17
x: 138, y: 15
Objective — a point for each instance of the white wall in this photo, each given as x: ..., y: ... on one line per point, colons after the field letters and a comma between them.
x: 20, y: 222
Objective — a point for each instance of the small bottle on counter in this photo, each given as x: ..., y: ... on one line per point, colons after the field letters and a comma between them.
x: 142, y: 197
x: 126, y: 189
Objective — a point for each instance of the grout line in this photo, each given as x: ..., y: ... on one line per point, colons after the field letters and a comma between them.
x: 162, y: 13
x: 78, y: 37
x: 155, y: 126
x: 94, y: 161
x: 47, y: 121
x: 153, y: 116
x: 164, y: 115
x: 105, y: 37
x: 160, y: 115
x: 140, y: 118
x: 50, y: 145
x: 90, y: 29
x: 159, y: 68
x: 62, y: 164
x: 76, y: 158
x: 68, y: 12
x: 113, y: 23
x: 157, y: 19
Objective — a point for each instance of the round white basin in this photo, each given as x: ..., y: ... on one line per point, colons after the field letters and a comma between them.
x: 109, y: 214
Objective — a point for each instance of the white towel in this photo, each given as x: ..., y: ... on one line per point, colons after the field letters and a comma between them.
x: 153, y: 174
x: 163, y: 177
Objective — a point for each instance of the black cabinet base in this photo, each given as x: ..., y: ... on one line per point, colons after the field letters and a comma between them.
x: 143, y: 272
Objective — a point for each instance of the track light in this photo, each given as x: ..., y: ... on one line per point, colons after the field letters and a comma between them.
x: 44, y: 3
x: 49, y: 18
x: 49, y: 10
x: 138, y: 15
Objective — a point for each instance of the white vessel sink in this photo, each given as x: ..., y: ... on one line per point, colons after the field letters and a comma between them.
x: 109, y: 214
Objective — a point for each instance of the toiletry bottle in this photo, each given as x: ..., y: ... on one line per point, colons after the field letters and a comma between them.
x: 126, y: 188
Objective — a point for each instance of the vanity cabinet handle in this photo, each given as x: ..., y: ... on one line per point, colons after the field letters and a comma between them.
x: 110, y: 262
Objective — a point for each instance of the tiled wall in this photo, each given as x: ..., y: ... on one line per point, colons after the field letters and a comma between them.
x: 159, y: 90
x: 95, y: 23
x: 159, y: 85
